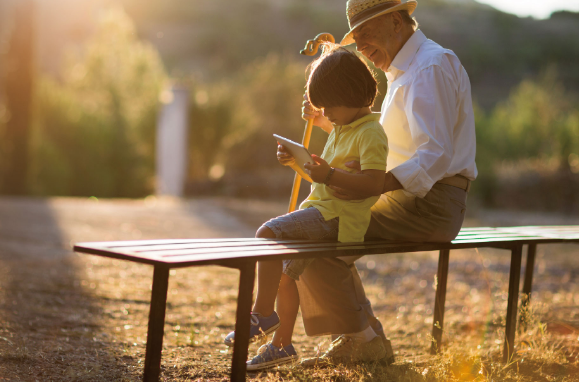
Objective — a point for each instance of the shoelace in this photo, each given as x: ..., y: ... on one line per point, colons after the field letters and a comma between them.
x: 254, y: 320
x: 263, y: 348
x: 340, y: 342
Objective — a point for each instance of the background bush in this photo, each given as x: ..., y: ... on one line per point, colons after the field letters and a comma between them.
x: 528, y: 148
x: 94, y: 129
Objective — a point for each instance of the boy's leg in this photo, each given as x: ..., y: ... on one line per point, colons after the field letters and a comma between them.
x: 268, y: 279
x: 280, y: 350
x: 308, y: 224
x: 264, y: 320
x: 288, y: 304
x: 300, y: 224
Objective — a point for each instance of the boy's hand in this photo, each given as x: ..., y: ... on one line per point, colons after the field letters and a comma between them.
x: 284, y: 157
x: 318, y: 171
x: 309, y: 112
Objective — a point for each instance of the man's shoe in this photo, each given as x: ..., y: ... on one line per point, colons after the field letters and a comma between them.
x: 260, y: 327
x: 271, y: 356
x: 345, y: 350
x: 379, y: 330
x: 389, y: 359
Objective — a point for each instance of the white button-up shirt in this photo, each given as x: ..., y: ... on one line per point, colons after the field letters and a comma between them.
x: 428, y: 117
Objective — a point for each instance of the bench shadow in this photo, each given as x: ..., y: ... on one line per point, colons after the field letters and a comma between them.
x: 48, y: 322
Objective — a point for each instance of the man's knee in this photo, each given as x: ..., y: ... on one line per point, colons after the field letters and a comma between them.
x: 265, y: 232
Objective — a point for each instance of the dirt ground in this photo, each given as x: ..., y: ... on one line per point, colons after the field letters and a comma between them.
x: 75, y: 317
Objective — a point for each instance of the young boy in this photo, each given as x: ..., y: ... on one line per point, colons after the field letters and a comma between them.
x: 343, y: 86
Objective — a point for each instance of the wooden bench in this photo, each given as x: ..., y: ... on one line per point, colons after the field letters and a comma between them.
x: 243, y: 254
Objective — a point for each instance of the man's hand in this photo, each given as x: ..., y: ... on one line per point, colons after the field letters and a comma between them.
x: 343, y: 194
x: 318, y: 171
x: 284, y: 157
x: 309, y: 112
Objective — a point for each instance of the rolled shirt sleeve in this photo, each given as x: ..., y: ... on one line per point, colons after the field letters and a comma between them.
x: 373, y: 147
x: 430, y: 106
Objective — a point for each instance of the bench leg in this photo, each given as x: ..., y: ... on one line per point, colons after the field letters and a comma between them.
x: 528, y: 283
x: 156, y: 324
x: 244, y: 301
x: 438, y: 321
x: 513, y: 301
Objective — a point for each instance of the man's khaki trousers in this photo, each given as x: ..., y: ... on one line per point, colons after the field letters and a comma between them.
x: 332, y: 296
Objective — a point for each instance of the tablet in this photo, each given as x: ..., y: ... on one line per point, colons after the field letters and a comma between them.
x: 297, y: 150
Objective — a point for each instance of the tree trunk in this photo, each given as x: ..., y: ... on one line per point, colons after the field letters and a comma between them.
x: 19, y: 71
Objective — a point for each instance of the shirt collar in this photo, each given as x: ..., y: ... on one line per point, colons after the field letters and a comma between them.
x: 405, y: 56
x: 364, y: 119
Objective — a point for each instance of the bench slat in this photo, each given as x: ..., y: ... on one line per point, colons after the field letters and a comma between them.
x: 228, y: 258
x: 273, y: 245
x: 220, y: 246
x: 248, y: 244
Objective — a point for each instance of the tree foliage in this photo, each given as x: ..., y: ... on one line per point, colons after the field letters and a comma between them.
x: 94, y: 131
x: 532, y: 135
x: 538, y: 120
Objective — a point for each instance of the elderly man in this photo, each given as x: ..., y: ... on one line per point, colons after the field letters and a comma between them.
x: 428, y: 118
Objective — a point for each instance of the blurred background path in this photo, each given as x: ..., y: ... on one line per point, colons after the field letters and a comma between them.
x: 47, y: 317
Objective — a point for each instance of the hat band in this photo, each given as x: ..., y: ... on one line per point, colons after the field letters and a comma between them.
x: 368, y: 13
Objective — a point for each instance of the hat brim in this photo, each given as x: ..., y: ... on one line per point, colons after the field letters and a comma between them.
x: 409, y: 6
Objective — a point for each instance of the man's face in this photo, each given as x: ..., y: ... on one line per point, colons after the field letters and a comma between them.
x: 377, y: 40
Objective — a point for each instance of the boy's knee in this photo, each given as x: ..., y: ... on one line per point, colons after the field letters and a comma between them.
x: 286, y: 280
x: 265, y: 232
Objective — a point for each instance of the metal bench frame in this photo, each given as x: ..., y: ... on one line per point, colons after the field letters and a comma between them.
x: 243, y: 255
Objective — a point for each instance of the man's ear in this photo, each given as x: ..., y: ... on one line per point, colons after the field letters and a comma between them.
x: 397, y: 21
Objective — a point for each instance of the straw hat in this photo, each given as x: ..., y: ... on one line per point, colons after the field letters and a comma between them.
x: 360, y: 11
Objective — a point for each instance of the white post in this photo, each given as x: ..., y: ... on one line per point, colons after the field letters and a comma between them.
x: 172, y: 142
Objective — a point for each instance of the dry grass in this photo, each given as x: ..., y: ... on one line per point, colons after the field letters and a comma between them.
x: 68, y: 317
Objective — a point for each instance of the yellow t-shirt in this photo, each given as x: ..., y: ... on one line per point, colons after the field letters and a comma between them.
x: 363, y: 140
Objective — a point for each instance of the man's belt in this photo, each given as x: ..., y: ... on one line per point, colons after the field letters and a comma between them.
x: 456, y: 181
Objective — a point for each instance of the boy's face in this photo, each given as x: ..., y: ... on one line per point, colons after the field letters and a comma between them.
x: 341, y: 115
